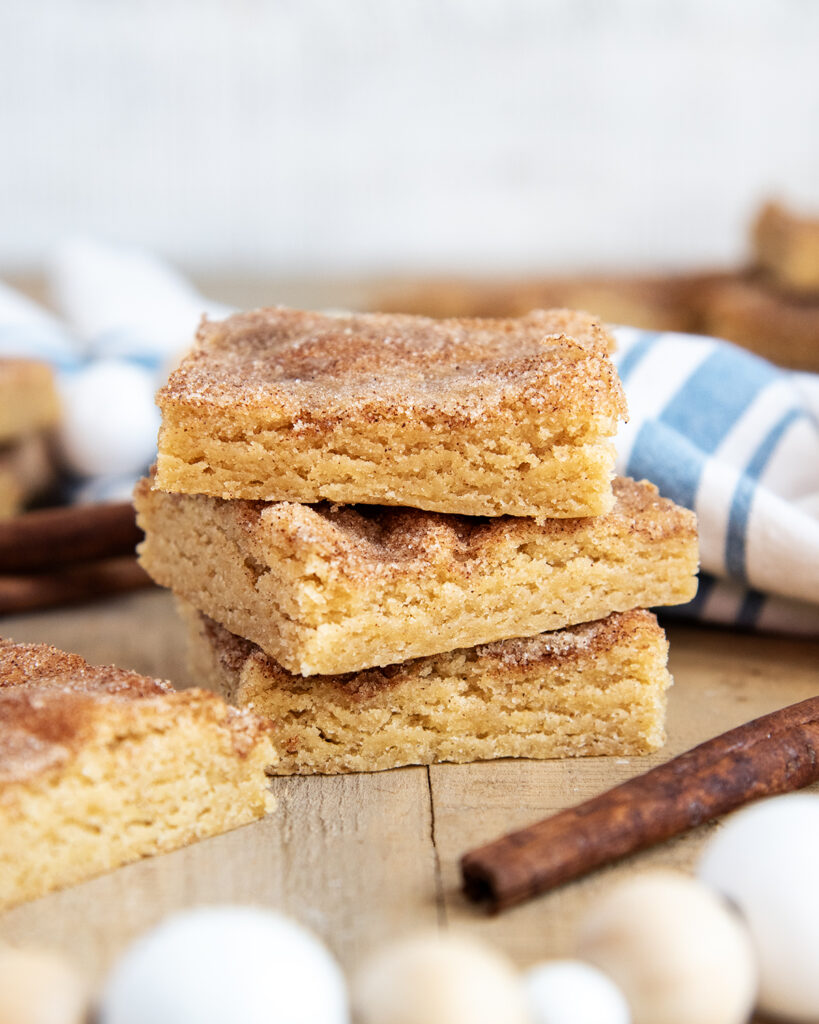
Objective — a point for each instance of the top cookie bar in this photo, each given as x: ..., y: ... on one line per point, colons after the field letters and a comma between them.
x: 479, y: 417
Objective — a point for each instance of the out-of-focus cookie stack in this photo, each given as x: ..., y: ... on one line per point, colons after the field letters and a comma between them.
x: 774, y: 309
x: 770, y: 306
x: 29, y: 409
x: 398, y: 537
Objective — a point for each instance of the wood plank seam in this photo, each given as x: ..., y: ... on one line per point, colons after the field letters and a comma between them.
x: 440, y: 898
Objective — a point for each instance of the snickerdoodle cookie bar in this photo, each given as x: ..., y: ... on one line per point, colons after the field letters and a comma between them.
x: 29, y: 408
x: 328, y: 589
x: 99, y: 766
x: 597, y: 688
x: 28, y: 398
x: 477, y: 417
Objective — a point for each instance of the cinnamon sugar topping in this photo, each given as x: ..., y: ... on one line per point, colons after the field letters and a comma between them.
x: 319, y: 364
x: 561, y: 646
x: 49, y: 701
x: 376, y: 540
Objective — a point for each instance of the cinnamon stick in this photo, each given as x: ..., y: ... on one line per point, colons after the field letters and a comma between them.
x: 62, y: 536
x: 71, y: 584
x: 773, y: 754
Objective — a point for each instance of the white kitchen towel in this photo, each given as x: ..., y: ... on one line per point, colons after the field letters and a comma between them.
x: 736, y: 439
x: 124, y: 318
x: 717, y: 429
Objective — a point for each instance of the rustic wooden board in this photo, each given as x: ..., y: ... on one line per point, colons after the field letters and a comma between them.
x: 361, y: 858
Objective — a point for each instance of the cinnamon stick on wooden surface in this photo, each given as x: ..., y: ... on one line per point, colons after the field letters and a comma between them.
x: 770, y: 755
x: 71, y: 584
x: 52, y: 537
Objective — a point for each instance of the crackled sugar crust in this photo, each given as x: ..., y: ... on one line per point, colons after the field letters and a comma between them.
x: 480, y: 417
x: 597, y: 688
x: 99, y: 766
x: 325, y: 589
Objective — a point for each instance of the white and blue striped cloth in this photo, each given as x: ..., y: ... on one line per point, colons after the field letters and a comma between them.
x: 124, y: 319
x: 736, y: 439
x: 718, y: 430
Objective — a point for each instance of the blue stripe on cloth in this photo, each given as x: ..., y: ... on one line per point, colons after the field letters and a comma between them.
x: 68, y: 370
x: 636, y: 353
x: 736, y: 539
x: 752, y: 605
x: 37, y: 343
x: 144, y: 362
x: 130, y: 346
x: 669, y: 460
x: 760, y: 458
x: 714, y: 397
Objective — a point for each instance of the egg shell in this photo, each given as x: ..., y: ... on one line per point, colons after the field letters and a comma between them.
x: 224, y: 965
x: 765, y: 859
x: 109, y: 422
x: 39, y: 987
x: 678, y: 953
x: 438, y: 979
x: 573, y: 992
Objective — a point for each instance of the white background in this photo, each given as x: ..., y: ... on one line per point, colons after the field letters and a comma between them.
x: 380, y: 135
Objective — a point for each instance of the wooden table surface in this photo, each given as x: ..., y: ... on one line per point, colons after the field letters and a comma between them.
x: 361, y: 858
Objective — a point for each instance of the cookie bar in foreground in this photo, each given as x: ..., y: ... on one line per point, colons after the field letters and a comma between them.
x: 479, y: 417
x: 598, y: 688
x: 326, y: 590
x: 28, y: 398
x: 99, y: 767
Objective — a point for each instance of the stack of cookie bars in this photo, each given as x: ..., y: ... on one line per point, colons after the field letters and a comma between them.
x: 398, y: 537
x: 774, y: 309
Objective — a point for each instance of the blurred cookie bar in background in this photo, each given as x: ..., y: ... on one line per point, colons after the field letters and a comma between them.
x: 786, y: 249
x: 769, y: 306
x: 29, y: 410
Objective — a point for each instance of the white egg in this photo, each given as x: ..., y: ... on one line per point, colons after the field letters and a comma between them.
x: 765, y: 859
x: 109, y: 420
x: 572, y: 992
x: 438, y: 979
x: 38, y: 987
x: 226, y: 965
x: 677, y: 952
